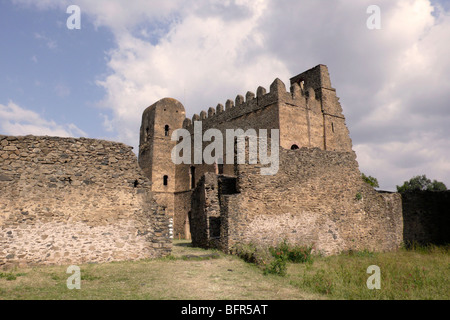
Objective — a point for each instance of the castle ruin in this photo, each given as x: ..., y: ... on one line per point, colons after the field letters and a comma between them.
x: 71, y: 201
x: 317, y: 197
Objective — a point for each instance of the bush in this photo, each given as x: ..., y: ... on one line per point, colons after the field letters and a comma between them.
x: 277, y: 266
x: 296, y: 254
x: 370, y: 180
x: 273, y: 260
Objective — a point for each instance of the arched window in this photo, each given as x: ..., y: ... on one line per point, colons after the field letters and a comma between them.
x: 166, y: 130
x: 146, y: 134
x: 294, y: 147
x: 166, y: 180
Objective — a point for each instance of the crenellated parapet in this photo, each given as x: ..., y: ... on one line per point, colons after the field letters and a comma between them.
x: 296, y: 96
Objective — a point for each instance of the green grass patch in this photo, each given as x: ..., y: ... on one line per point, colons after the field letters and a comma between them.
x: 413, y: 273
x: 11, y: 276
x: 273, y: 260
x: 421, y: 273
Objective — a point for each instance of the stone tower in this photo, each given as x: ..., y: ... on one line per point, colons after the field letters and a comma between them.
x: 155, y: 147
x: 307, y: 115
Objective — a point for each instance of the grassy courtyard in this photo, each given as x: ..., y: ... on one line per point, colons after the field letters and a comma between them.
x: 197, y: 274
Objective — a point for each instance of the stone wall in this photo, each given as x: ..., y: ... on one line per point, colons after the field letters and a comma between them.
x: 307, y: 114
x: 181, y: 220
x: 426, y: 216
x: 70, y: 201
x: 204, y: 208
x: 316, y: 198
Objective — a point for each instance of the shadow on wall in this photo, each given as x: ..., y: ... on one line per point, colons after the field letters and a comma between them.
x: 426, y: 217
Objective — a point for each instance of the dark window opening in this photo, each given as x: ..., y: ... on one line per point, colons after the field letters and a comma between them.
x: 220, y: 167
x: 227, y: 185
x: 146, y: 134
x: 214, y: 227
x: 294, y: 147
x: 332, y: 127
x: 136, y: 183
x: 192, y: 177
x: 166, y: 180
x: 166, y: 130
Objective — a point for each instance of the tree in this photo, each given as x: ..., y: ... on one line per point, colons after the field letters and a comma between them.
x: 421, y: 183
x: 370, y: 180
x: 437, y: 186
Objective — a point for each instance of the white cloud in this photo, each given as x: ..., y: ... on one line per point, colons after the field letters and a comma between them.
x: 201, y: 61
x: 18, y: 121
x: 393, y: 83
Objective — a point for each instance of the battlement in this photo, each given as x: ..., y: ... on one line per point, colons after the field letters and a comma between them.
x: 297, y: 96
x: 307, y: 114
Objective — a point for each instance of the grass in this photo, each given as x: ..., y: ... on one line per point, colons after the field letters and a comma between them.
x: 197, y: 274
x: 420, y: 273
x: 188, y: 274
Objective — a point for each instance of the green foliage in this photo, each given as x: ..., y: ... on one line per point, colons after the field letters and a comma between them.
x: 437, y: 186
x: 10, y: 276
x: 358, y: 196
x: 273, y: 260
x: 277, y: 266
x: 88, y: 277
x: 370, y: 180
x: 251, y: 253
x: 320, y: 282
x: 295, y: 254
x: 421, y: 183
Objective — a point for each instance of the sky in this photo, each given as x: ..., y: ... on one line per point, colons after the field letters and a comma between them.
x: 393, y: 82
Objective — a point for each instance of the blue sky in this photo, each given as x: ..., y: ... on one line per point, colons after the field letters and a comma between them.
x: 393, y: 83
x: 50, y: 69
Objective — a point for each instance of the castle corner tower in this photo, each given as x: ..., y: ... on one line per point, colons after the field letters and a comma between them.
x: 155, y: 147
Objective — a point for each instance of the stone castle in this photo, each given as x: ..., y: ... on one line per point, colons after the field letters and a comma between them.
x: 312, y: 198
x: 66, y: 200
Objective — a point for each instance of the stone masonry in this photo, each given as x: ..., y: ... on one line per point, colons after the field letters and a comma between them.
x: 317, y: 197
x: 73, y: 201
x: 70, y: 201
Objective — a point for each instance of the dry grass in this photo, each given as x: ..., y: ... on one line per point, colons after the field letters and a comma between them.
x: 217, y: 277
x: 197, y: 274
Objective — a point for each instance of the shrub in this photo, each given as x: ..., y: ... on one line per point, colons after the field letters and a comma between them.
x: 277, y: 266
x: 273, y: 260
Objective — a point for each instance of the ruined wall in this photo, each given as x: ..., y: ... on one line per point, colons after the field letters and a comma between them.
x: 181, y: 220
x: 313, y: 199
x: 65, y: 200
x: 426, y: 217
x: 204, y: 209
x: 317, y: 197
x: 306, y: 115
